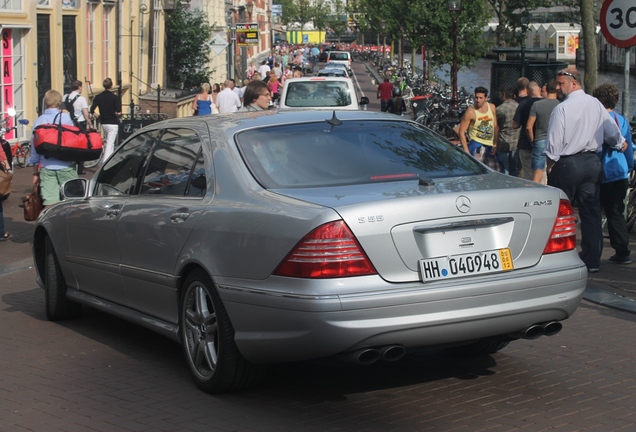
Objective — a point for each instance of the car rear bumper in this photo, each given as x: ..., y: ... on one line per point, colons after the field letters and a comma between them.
x: 289, y: 325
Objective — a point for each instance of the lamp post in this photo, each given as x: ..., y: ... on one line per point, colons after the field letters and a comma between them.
x: 383, y: 27
x: 229, y: 18
x: 454, y: 7
x: 424, y: 55
x: 271, y: 29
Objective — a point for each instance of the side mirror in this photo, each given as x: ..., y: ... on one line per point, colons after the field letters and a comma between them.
x: 364, y: 100
x: 75, y: 188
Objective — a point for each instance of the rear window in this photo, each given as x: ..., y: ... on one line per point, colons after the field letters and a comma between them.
x: 317, y: 94
x: 354, y: 152
x: 338, y: 56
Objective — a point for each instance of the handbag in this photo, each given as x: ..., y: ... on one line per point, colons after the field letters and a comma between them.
x: 32, y: 204
x: 6, y: 178
x: 66, y: 143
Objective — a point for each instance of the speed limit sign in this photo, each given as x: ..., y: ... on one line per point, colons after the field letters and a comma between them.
x: 618, y: 22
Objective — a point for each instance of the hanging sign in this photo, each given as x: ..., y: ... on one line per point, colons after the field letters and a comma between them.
x: 247, y: 35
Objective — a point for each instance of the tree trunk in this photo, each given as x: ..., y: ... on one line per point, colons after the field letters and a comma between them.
x: 589, y: 44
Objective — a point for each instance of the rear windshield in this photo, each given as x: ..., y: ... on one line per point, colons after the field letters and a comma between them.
x: 338, y: 56
x: 317, y: 94
x: 354, y: 152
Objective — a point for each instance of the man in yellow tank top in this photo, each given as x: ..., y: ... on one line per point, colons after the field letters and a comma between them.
x: 480, y: 121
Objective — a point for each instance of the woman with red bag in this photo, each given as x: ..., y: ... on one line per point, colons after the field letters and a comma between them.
x: 51, y: 173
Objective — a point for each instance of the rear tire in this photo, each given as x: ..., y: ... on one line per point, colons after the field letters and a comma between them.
x: 58, y: 306
x: 207, y: 338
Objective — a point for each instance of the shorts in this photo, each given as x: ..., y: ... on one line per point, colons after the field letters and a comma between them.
x: 538, y: 154
x: 50, y: 182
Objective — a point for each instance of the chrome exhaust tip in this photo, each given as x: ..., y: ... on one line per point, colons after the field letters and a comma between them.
x: 392, y: 353
x: 552, y: 328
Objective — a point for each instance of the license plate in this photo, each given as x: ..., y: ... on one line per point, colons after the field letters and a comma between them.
x: 453, y: 266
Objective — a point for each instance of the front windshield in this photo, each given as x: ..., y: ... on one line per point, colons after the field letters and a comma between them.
x: 354, y: 152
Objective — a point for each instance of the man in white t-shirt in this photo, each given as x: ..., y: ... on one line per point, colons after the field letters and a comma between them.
x: 263, y: 69
x: 227, y: 100
x: 78, y: 112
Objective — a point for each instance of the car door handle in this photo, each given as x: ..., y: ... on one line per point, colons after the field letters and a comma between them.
x: 179, y: 217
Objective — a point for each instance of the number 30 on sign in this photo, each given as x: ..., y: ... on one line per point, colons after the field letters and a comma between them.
x: 618, y: 22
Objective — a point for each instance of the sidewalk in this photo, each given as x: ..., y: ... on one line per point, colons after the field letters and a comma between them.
x: 614, y: 286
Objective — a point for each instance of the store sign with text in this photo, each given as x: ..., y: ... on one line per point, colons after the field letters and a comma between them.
x: 247, y: 35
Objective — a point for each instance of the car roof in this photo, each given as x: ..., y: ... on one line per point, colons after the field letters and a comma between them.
x: 234, y: 122
x: 313, y: 78
x: 333, y: 72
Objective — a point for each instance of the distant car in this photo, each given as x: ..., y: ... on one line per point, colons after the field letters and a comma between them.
x: 343, y: 57
x: 269, y: 237
x: 320, y: 93
x: 333, y: 72
x: 334, y: 65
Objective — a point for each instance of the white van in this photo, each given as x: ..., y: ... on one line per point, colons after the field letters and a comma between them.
x: 343, y: 57
x: 320, y: 93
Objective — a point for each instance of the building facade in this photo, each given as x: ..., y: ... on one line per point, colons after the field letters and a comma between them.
x: 47, y: 44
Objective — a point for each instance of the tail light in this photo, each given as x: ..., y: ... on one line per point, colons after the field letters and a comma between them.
x: 329, y: 251
x: 563, y: 235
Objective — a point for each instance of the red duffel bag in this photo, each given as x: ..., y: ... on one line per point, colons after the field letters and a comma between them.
x: 66, y: 143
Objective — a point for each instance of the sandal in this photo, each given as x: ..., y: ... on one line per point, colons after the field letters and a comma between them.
x: 6, y: 236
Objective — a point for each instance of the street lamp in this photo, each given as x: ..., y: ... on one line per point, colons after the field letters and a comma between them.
x: 271, y: 28
x: 456, y: 7
x: 383, y: 27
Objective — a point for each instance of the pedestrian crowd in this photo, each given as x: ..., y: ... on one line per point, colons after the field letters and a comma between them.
x: 556, y: 134
x: 283, y: 62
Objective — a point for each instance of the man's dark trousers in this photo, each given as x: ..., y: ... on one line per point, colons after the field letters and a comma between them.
x: 579, y: 176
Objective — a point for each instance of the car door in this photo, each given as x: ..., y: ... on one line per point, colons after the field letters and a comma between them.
x: 93, y: 240
x: 156, y: 223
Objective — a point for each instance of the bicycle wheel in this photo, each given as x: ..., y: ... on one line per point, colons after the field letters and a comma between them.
x: 93, y: 163
x: 630, y: 215
x: 22, y: 155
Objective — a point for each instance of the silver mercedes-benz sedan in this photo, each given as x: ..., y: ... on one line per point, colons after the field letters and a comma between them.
x: 271, y: 237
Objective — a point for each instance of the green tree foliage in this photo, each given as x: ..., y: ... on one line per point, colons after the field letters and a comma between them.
x: 430, y: 22
x: 336, y: 18
x: 187, y: 49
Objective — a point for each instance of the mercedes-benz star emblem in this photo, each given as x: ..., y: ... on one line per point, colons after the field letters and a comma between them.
x: 463, y: 204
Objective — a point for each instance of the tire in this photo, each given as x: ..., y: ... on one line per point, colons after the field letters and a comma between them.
x: 92, y: 163
x: 22, y: 156
x: 630, y: 215
x: 207, y: 338
x: 480, y: 348
x: 58, y: 306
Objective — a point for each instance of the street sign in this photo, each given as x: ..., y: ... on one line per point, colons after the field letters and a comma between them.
x: 218, y: 42
x: 618, y: 22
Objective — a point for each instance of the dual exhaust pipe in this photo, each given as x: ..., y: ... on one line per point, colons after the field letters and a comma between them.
x: 367, y: 356
x: 537, y: 330
x: 391, y: 353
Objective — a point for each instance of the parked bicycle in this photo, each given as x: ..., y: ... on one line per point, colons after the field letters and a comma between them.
x: 17, y: 153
